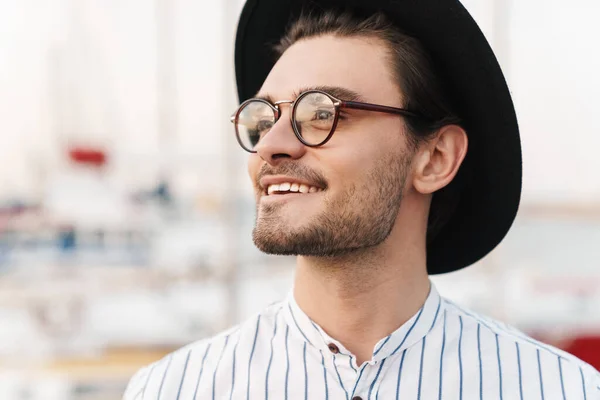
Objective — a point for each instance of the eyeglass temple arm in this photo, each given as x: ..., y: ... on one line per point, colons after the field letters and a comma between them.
x: 378, y: 108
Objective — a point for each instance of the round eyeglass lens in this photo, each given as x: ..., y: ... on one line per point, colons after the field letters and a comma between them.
x: 314, y: 117
x: 254, y: 120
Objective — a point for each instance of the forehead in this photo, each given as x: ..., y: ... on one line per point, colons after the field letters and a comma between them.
x: 358, y: 64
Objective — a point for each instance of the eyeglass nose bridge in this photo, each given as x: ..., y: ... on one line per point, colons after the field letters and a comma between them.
x: 277, y: 103
x: 280, y: 102
x: 278, y: 109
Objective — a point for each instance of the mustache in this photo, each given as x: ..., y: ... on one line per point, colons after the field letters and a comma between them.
x: 293, y: 170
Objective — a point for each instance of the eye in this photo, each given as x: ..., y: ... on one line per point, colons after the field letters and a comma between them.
x: 254, y: 137
x: 264, y: 125
x: 323, y: 115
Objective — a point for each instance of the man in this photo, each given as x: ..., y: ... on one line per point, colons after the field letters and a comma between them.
x: 384, y: 147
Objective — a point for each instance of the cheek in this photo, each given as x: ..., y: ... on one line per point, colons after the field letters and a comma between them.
x: 349, y: 168
x: 355, y: 160
x: 353, y: 156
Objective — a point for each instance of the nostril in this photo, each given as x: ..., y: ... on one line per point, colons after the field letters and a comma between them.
x: 280, y: 155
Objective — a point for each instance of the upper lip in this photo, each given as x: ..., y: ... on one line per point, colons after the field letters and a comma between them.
x: 266, y: 181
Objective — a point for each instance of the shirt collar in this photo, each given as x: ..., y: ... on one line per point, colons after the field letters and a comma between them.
x: 410, y: 333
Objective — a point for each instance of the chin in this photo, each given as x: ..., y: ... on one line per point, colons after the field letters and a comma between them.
x: 271, y: 243
x: 274, y: 234
x: 285, y: 216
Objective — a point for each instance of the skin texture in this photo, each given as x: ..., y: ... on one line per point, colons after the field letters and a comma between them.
x: 360, y: 242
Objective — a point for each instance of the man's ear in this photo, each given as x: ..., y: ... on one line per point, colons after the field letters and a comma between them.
x: 438, y: 161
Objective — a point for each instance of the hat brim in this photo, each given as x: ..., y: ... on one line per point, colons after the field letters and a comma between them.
x: 462, y: 56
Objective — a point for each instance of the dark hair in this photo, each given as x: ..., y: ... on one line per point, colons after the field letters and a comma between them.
x: 415, y: 75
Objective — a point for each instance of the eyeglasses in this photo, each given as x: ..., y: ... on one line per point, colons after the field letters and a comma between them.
x: 314, y: 117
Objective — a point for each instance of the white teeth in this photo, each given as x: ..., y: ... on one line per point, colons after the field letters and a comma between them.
x: 292, y: 187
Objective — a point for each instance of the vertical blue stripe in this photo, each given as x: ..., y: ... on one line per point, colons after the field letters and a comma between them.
x: 436, y: 314
x: 460, y: 365
x: 480, y: 363
x: 352, y: 366
x: 317, y: 329
x: 162, y: 382
x: 400, y: 375
x: 421, y: 368
x: 339, y: 377
x: 233, y: 372
x: 499, y: 366
x: 358, y: 380
x: 520, y: 375
x: 252, y: 355
x: 442, y: 357
x: 217, y: 367
x: 187, y: 359
x: 408, y: 332
x: 423, y: 349
x: 387, y: 339
x: 201, y: 369
x: 583, y: 384
x: 296, y: 322
x: 147, y: 380
x: 305, y: 375
x: 375, y: 380
x: 508, y: 332
x: 270, y: 361
x: 562, y: 383
x: 540, y: 372
x: 324, y: 375
x: 287, y: 360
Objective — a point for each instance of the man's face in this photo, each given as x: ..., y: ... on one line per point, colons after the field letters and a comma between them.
x: 355, y: 182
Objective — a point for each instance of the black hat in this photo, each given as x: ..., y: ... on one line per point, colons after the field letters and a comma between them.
x: 489, y: 199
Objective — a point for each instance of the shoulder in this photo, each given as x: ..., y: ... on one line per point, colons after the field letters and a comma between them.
x: 513, y: 352
x: 182, y: 369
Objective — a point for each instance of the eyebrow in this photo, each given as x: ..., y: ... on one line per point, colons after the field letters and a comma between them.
x: 336, y: 91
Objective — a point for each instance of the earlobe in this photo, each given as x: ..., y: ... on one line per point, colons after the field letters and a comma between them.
x: 440, y: 160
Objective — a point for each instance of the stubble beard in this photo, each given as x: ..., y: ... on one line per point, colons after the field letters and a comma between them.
x: 359, y: 218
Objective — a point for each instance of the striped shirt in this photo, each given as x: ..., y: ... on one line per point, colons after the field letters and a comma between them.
x: 442, y: 352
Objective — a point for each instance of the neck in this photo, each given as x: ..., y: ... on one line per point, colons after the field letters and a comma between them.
x: 362, y: 297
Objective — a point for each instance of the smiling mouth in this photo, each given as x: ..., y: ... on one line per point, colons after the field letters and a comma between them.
x: 289, y: 188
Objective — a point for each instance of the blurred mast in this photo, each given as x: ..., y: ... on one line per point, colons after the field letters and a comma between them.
x: 495, y: 267
x: 501, y: 12
x: 231, y: 198
x: 166, y: 84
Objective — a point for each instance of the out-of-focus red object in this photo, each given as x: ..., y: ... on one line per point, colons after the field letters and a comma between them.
x: 586, y: 348
x: 88, y: 155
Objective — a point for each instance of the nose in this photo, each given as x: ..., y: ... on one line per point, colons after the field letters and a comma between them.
x: 280, y: 142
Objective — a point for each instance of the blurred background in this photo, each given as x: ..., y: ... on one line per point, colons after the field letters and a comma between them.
x: 126, y: 213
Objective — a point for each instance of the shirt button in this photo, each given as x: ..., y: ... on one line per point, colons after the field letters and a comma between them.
x: 357, y: 398
x: 334, y: 349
